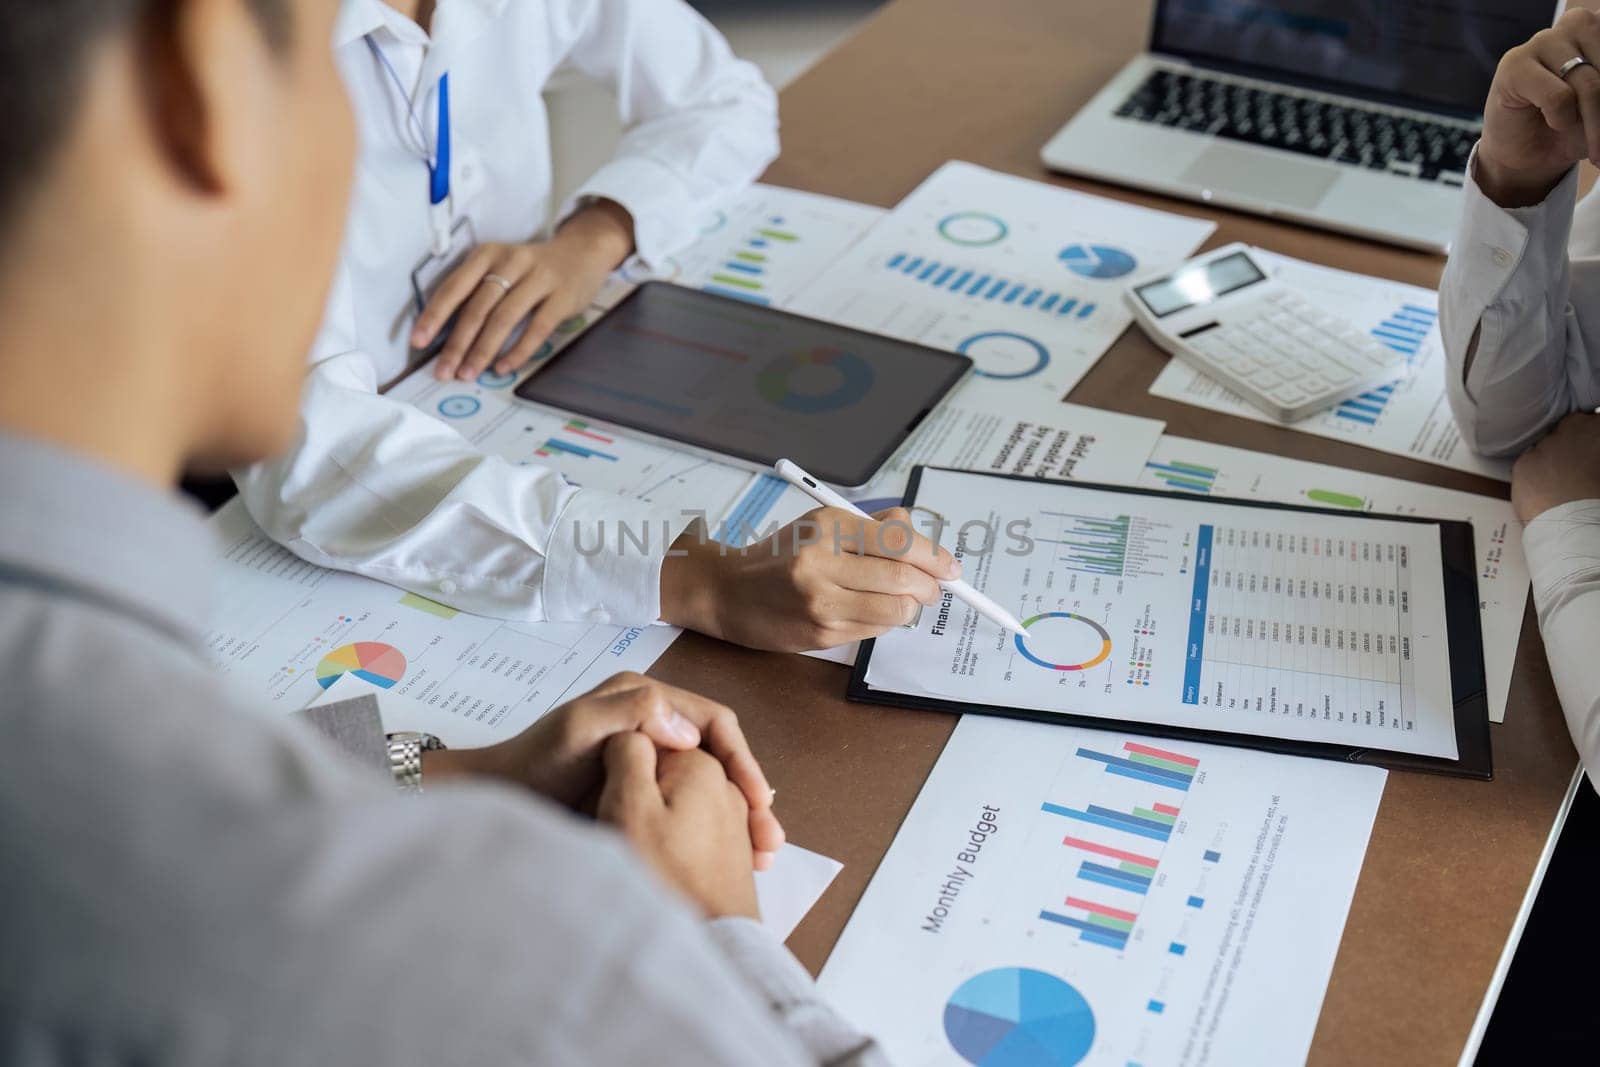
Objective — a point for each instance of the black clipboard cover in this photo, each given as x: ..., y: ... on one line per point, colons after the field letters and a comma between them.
x: 1468, y: 690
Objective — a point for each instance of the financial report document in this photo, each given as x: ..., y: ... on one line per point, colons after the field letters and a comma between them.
x: 1186, y: 613
x: 1062, y: 896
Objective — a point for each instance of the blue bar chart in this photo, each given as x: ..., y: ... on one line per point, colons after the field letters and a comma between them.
x: 975, y: 284
x: 742, y: 275
x: 1405, y: 331
x: 1190, y: 477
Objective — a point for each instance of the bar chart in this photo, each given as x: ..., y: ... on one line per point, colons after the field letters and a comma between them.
x: 1406, y: 330
x: 1092, y: 545
x: 742, y: 273
x: 1190, y: 477
x: 578, y: 441
x: 977, y: 284
x: 1121, y: 839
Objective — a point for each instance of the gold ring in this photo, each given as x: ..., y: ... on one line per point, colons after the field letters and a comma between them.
x: 497, y: 280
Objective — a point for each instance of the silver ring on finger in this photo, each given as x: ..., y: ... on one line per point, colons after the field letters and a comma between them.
x: 495, y: 279
x: 1571, y: 65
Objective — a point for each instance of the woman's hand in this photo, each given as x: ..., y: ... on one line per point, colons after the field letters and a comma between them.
x: 827, y: 578
x: 561, y: 755
x: 500, y: 286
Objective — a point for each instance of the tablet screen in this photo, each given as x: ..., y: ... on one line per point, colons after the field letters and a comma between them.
x: 749, y: 381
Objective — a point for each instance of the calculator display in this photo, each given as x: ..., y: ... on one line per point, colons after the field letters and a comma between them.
x: 1199, y: 283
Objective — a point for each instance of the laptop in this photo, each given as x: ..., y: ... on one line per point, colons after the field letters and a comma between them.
x: 1353, y: 115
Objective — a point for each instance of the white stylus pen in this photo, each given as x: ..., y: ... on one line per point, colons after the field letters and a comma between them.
x: 825, y: 496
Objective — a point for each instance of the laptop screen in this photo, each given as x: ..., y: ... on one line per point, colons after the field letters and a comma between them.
x: 1436, y: 53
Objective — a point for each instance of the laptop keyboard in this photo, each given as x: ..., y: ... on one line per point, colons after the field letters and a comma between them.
x: 1343, y: 133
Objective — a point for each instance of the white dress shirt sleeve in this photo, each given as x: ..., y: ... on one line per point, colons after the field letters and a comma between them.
x: 1521, y: 315
x: 1563, y: 547
x: 374, y: 486
x: 700, y: 124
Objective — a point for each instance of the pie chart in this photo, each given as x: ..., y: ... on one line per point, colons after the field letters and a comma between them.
x: 1017, y: 1017
x: 372, y: 661
x: 1098, y: 261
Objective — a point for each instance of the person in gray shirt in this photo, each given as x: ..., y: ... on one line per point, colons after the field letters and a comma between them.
x: 186, y: 881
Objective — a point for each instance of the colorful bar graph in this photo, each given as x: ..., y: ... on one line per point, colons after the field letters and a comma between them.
x: 1092, y: 545
x: 1107, y: 851
x: 1191, y: 477
x: 556, y: 445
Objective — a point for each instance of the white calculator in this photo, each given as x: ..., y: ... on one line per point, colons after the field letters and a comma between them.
x: 1223, y: 315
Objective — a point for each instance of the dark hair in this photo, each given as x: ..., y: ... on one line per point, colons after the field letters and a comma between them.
x: 45, y: 47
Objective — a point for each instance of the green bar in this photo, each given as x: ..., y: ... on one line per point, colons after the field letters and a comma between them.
x: 432, y: 607
x: 1337, y: 500
x: 1192, y: 468
x: 728, y: 279
x: 1185, y: 483
x: 1165, y: 764
x: 751, y: 257
x: 1146, y: 813
x: 778, y: 235
x: 1137, y: 868
x: 1109, y: 923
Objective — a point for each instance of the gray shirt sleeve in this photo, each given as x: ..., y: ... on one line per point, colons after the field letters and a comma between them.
x: 355, y: 727
x: 1563, y: 547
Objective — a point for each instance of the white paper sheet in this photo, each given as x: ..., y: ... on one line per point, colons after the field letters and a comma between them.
x: 285, y: 630
x: 1200, y: 467
x: 791, y: 888
x: 786, y: 892
x: 1186, y: 613
x: 1011, y: 924
x: 1411, y: 417
x: 764, y: 247
x: 1024, y: 277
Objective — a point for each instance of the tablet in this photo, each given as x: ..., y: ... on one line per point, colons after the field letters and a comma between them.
x: 748, y: 383
x: 1312, y: 631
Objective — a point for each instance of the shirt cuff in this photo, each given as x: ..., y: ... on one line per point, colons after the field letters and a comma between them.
x: 355, y: 727
x: 789, y: 991
x: 1496, y: 244
x: 663, y: 217
x: 1563, y: 550
x: 603, y: 563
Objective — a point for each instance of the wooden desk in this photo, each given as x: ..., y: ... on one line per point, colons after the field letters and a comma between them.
x: 931, y: 80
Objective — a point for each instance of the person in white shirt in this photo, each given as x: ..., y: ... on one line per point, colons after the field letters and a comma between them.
x: 375, y: 486
x: 1520, y: 304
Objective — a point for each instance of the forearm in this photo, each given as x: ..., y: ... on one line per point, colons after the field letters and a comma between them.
x: 1563, y: 548
x: 379, y: 488
x: 1516, y: 318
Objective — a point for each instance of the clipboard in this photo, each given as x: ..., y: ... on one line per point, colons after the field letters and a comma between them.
x: 1464, y: 638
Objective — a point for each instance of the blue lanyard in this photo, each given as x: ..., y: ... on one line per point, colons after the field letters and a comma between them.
x: 437, y: 161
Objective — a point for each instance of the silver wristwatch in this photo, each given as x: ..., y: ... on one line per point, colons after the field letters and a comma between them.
x: 405, y: 758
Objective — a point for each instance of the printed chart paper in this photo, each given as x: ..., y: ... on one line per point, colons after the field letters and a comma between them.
x: 1061, y: 896
x: 1199, y: 467
x: 286, y: 630
x: 1186, y: 613
x: 1024, y: 277
x: 1408, y: 417
x: 764, y: 247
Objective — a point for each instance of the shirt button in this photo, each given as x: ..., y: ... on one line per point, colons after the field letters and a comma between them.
x: 1502, y: 257
x: 447, y: 587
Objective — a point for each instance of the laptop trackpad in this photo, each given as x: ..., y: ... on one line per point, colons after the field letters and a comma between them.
x: 1261, y: 176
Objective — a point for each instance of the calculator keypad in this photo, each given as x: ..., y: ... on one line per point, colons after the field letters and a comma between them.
x: 1293, y: 354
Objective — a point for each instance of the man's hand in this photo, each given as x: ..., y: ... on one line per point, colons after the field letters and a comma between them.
x: 561, y: 755
x: 499, y: 286
x: 1536, y: 123
x: 825, y: 579
x: 686, y: 819
x: 1563, y: 467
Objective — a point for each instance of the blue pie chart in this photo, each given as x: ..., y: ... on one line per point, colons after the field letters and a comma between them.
x: 1098, y: 261
x: 1018, y: 1017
